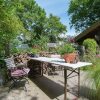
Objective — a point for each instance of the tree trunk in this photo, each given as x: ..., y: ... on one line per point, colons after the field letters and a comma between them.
x: 7, y: 49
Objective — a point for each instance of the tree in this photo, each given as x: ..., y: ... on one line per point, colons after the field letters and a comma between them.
x: 54, y: 27
x: 33, y: 17
x: 36, y: 22
x: 84, y: 13
x: 10, y: 25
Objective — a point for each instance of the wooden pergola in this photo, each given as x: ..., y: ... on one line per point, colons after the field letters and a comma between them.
x: 92, y: 32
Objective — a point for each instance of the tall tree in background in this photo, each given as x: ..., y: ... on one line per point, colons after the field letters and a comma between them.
x: 84, y: 13
x: 33, y: 17
x: 54, y: 27
x: 35, y: 21
x: 25, y: 16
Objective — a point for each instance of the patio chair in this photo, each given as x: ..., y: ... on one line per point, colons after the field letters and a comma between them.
x: 15, y: 73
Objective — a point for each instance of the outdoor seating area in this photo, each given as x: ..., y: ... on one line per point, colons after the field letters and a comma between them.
x: 46, y: 76
x: 50, y: 75
x: 47, y: 88
x: 49, y: 50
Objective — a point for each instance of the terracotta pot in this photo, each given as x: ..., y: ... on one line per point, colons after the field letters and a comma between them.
x: 70, y: 58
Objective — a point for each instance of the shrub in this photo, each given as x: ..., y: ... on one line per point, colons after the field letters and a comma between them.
x: 90, y: 50
x: 90, y: 45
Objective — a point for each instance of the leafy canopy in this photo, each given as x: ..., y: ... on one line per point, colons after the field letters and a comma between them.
x: 10, y: 24
x: 37, y: 23
x: 84, y: 13
x: 25, y: 16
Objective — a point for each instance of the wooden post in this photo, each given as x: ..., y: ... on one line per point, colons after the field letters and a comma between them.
x: 41, y: 68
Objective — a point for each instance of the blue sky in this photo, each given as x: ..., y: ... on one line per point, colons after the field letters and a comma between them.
x: 58, y: 8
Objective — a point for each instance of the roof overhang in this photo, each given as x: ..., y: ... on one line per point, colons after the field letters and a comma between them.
x: 87, y: 31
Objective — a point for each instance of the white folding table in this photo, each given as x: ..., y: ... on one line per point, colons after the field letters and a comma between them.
x: 75, y: 67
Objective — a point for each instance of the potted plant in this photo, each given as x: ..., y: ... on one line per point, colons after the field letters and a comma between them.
x: 68, y: 53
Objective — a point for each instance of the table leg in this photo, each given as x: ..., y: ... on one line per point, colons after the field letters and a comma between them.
x: 78, y: 82
x: 41, y: 68
x: 65, y: 84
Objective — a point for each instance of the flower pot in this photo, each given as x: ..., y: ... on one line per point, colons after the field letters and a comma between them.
x: 70, y: 58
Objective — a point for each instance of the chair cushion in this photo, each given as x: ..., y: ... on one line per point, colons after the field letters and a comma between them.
x: 18, y: 73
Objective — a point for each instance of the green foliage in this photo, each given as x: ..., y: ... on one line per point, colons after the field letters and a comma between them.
x: 33, y: 17
x: 94, y: 70
x: 37, y: 23
x: 25, y: 16
x: 14, y: 44
x: 90, y: 49
x: 94, y: 73
x: 43, y: 43
x: 84, y: 13
x: 54, y: 26
x: 10, y: 25
x: 65, y: 49
x: 90, y: 45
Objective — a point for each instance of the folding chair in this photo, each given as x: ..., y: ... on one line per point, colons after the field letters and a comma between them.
x: 16, y: 74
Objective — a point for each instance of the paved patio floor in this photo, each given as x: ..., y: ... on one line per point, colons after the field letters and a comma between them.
x: 47, y: 88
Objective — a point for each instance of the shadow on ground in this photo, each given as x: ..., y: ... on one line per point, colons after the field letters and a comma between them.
x: 34, y: 98
x: 51, y: 88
